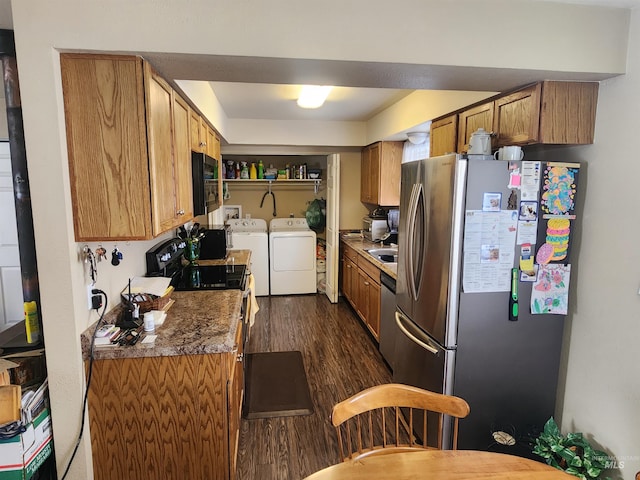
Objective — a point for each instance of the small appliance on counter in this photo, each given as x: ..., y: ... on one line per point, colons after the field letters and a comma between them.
x: 215, y: 243
x: 393, y: 219
x: 374, y: 226
x: 166, y: 260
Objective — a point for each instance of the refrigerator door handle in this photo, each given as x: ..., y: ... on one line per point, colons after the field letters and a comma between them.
x: 423, y: 343
x: 413, y: 212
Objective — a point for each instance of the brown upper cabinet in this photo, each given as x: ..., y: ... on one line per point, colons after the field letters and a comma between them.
x: 471, y: 120
x: 169, y: 154
x: 380, y: 173
x: 203, y: 137
x: 128, y: 139
x: 548, y: 112
x: 198, y: 137
x: 443, y: 136
x: 517, y: 117
x: 182, y: 157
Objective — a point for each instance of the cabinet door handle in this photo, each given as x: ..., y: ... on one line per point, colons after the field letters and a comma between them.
x: 180, y: 212
x: 366, y: 283
x: 240, y: 357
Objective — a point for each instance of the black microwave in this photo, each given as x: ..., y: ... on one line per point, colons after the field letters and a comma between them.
x: 204, y: 173
x: 215, y: 243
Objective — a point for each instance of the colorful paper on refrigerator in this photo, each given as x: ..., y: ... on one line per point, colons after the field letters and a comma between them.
x: 550, y: 293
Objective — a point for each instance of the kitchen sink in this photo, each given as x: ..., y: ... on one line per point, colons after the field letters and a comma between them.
x: 384, y: 255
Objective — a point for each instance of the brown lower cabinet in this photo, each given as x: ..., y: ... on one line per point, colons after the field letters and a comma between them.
x: 167, y: 417
x: 361, y: 287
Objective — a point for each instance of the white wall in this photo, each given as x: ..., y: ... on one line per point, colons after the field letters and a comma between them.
x: 441, y: 33
x: 351, y: 210
x: 602, y: 392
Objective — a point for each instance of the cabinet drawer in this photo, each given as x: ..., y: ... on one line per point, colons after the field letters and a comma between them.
x: 350, y: 253
x: 369, y: 268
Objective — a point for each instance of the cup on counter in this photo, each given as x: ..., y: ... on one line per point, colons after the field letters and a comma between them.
x: 149, y: 322
x: 512, y: 152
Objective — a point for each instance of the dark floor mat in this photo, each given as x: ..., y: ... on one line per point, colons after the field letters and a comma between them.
x: 276, y: 385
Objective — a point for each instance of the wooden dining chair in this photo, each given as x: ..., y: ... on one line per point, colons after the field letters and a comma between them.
x: 394, y: 418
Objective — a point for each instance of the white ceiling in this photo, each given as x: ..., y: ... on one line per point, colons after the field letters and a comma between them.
x: 268, y: 101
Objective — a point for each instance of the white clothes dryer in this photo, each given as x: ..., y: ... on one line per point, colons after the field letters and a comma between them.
x: 292, y: 250
x: 251, y: 234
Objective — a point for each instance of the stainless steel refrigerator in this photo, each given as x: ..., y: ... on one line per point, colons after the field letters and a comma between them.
x: 461, y: 343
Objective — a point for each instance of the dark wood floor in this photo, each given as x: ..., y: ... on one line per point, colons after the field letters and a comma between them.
x: 340, y: 359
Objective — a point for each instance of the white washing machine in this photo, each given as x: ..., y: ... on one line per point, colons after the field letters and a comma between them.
x: 292, y: 249
x: 251, y: 234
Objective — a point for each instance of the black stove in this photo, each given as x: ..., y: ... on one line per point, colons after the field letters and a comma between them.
x: 212, y: 277
x: 166, y: 259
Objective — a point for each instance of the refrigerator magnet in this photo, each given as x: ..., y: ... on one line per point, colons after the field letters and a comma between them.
x: 528, y: 210
x: 515, y: 179
x: 529, y: 276
x: 491, y: 202
x: 526, y: 259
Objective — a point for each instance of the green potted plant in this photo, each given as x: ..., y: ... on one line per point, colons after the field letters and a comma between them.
x: 571, y: 453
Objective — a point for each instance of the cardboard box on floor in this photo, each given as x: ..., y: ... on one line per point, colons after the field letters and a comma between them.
x: 22, y: 455
x: 10, y: 403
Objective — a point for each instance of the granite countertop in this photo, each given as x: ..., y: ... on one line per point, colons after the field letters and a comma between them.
x: 361, y: 245
x: 199, y: 322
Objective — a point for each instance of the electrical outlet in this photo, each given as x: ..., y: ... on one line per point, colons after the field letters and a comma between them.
x: 89, y: 295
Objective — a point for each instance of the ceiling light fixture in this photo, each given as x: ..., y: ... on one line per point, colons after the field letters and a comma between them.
x: 313, y: 96
x: 417, y: 137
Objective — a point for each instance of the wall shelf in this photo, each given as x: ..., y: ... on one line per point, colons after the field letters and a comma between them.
x: 275, y: 182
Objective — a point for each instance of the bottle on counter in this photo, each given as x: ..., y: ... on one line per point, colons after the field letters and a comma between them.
x: 253, y: 173
x: 260, y: 170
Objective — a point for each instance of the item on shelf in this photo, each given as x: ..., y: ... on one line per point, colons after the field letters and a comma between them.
x: 231, y: 171
x: 244, y: 172
x: 282, y: 174
x: 314, y: 173
x: 260, y: 170
x: 270, y: 173
x: 237, y: 175
x: 253, y: 173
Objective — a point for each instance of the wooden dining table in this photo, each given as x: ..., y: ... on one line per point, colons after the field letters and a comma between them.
x: 443, y: 465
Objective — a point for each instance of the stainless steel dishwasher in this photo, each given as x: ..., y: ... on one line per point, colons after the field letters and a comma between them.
x: 388, y: 328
